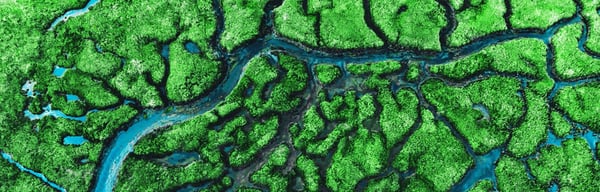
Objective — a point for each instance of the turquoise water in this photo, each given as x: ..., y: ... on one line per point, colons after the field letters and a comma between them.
x: 40, y: 176
x: 74, y: 140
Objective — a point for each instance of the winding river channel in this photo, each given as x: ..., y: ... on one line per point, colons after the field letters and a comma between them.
x: 152, y: 119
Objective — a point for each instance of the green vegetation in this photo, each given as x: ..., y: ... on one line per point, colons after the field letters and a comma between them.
x: 539, y: 14
x: 559, y: 125
x: 532, y: 130
x: 439, y: 158
x: 412, y: 24
x: 504, y: 57
x: 343, y: 26
x: 592, y: 18
x: 511, y: 176
x: 291, y: 21
x: 496, y: 94
x: 579, y: 104
x: 571, y: 166
x: 276, y: 131
x: 242, y: 21
x: 190, y: 74
x: 481, y: 18
x: 483, y: 186
x: 327, y: 73
x: 570, y: 62
x: 355, y: 158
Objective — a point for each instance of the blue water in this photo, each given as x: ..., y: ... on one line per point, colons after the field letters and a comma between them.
x: 73, y: 13
x: 48, y: 111
x: 8, y: 157
x: 28, y: 87
x: 74, y: 140
x: 484, y: 111
x: 484, y: 169
x: 71, y: 97
x: 180, y: 158
x: 59, y: 71
x: 553, y: 188
x: 164, y: 52
x: 553, y: 140
x: 192, y: 47
x: 84, y: 161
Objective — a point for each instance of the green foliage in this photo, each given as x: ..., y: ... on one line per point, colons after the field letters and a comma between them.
x: 389, y: 183
x: 572, y: 166
x: 413, y: 24
x: 539, y: 14
x: 343, y: 26
x: 592, y: 17
x: 268, y: 174
x: 101, y: 65
x: 559, y: 125
x: 504, y: 57
x: 398, y: 114
x: 440, y: 159
x: 496, y: 94
x: 477, y: 21
x: 292, y: 22
x: 570, y: 62
x: 242, y: 21
x: 102, y: 124
x: 250, y: 143
x: 532, y: 130
x: 309, y: 171
x: 511, y: 176
x: 327, y: 73
x: 190, y: 75
x: 413, y: 72
x: 483, y: 186
x: 356, y: 157
x: 579, y: 103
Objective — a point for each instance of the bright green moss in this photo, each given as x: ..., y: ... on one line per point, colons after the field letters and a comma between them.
x: 571, y: 166
x: 511, y: 176
x: 343, y: 27
x: 438, y: 157
x: 242, y: 21
x: 570, y: 62
x: 498, y: 97
x: 292, y: 22
x: 483, y: 186
x: 532, y: 130
x: 413, y: 72
x: 478, y: 21
x: 539, y: 14
x: 560, y: 126
x: 90, y: 91
x: 102, y: 65
x: 412, y: 24
x: 592, y: 17
x: 269, y: 175
x: 190, y: 75
x: 327, y: 73
x: 504, y: 57
x: 398, y: 114
x: 389, y: 183
x: 356, y: 157
x: 250, y: 143
x: 309, y: 171
x: 580, y: 103
x: 103, y: 124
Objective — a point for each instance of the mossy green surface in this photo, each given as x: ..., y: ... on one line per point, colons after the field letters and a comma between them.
x: 410, y: 24
x: 457, y: 104
x: 572, y: 166
x: 506, y: 57
x: 570, y: 62
x: 293, y: 22
x: 539, y: 14
x: 398, y: 119
x: 343, y: 27
x: 480, y: 19
x: 236, y: 32
x: 580, y: 103
x: 439, y: 158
